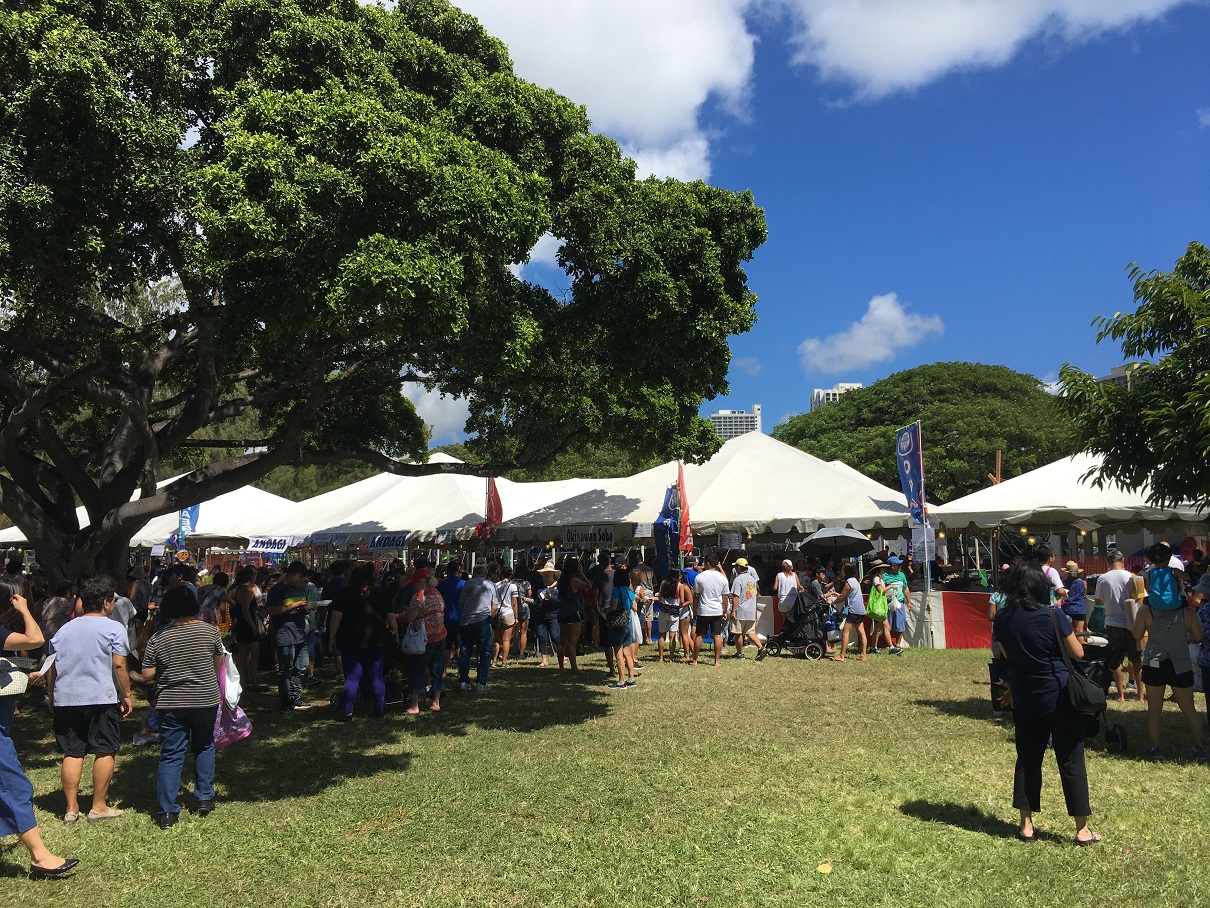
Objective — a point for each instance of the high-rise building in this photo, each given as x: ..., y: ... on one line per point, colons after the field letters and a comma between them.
x: 821, y: 397
x: 1119, y: 375
x: 730, y: 423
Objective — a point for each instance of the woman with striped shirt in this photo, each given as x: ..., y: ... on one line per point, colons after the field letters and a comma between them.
x: 184, y: 660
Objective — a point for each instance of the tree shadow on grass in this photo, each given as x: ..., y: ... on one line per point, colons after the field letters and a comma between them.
x: 969, y: 708
x: 523, y: 698
x: 288, y: 755
x: 966, y: 816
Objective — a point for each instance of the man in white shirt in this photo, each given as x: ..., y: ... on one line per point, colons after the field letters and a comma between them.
x: 710, y: 592
x: 743, y: 607
x: 1115, y: 591
x: 1046, y: 558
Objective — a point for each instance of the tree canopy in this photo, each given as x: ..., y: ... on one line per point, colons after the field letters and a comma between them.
x: 1157, y: 429
x: 325, y: 198
x: 967, y: 411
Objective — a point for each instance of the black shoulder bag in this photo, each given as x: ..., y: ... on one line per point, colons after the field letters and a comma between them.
x: 1086, y: 696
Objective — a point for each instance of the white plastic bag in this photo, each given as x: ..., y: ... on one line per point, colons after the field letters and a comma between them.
x: 232, y: 689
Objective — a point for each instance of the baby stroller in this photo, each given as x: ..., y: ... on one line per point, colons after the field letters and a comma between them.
x: 1095, y: 666
x: 804, y: 632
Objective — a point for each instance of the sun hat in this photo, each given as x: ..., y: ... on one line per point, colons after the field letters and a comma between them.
x: 1072, y: 568
x: 878, y: 563
x: 549, y: 568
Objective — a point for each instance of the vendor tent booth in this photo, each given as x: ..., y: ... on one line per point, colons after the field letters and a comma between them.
x: 223, y: 520
x: 754, y: 485
x: 439, y: 507
x: 1059, y: 495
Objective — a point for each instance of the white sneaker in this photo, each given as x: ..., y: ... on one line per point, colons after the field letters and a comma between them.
x: 465, y: 685
x: 480, y: 687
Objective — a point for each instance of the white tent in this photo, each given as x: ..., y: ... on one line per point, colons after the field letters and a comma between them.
x: 443, y: 505
x: 753, y: 485
x: 1059, y: 495
x: 221, y: 520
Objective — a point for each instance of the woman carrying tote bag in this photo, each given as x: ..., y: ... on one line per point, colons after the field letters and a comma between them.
x: 1042, y: 707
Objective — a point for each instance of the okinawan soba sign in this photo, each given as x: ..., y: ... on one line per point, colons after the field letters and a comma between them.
x: 589, y: 537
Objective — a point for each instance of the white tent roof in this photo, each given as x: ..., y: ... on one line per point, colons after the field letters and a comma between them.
x: 754, y: 484
x: 1058, y: 494
x: 425, y: 506
x: 223, y: 518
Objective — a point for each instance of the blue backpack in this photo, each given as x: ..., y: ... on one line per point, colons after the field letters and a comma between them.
x: 1164, y: 593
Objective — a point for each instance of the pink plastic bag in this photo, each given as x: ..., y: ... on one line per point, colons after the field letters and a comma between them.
x: 230, y: 725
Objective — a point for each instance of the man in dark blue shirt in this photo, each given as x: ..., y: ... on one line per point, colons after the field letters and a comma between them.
x: 450, y: 588
x: 287, y: 607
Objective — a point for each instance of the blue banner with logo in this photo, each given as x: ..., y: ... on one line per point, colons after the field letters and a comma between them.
x: 666, y: 529
x: 911, y: 468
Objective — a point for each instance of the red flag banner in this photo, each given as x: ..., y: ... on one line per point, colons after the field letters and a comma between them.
x: 494, y: 512
x: 686, y: 540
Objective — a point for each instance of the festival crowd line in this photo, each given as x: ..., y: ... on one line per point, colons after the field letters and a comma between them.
x: 397, y: 631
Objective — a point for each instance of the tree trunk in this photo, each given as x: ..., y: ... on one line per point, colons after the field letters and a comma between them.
x: 73, y: 557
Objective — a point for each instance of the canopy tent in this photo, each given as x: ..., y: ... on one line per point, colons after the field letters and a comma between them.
x: 423, y: 508
x: 754, y: 485
x: 220, y: 521
x: 1059, y: 495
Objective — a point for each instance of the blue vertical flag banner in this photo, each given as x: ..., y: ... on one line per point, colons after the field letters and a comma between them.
x: 666, y: 530
x: 186, y: 526
x: 911, y: 469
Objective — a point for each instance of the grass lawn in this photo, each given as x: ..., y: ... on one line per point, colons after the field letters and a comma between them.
x: 732, y: 786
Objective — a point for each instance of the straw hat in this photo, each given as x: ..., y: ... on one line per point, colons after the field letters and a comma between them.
x: 549, y: 568
x: 1072, y: 568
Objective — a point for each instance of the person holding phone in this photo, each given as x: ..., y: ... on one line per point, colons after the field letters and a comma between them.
x: 14, y: 612
x: 16, y: 793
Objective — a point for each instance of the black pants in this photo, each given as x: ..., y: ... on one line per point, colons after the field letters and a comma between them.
x: 1066, y: 729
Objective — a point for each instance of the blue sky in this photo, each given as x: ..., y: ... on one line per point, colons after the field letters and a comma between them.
x: 942, y: 179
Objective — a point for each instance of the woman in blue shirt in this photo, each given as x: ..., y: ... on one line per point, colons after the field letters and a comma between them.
x: 1075, y: 607
x: 1042, y: 710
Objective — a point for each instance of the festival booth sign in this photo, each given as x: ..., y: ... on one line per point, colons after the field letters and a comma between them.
x: 754, y: 485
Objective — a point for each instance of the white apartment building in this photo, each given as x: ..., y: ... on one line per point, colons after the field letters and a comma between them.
x: 821, y: 397
x: 730, y: 423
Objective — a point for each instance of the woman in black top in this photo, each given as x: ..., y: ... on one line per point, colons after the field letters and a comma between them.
x: 572, y: 587
x: 357, y: 627
x: 1042, y: 710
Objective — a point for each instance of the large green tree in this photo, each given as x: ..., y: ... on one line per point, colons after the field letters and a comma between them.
x: 1156, y: 429
x: 967, y: 411
x: 338, y: 190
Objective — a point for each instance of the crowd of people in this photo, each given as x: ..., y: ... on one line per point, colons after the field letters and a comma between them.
x: 394, y: 630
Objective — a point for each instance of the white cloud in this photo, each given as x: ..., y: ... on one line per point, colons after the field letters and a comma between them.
x: 1203, y: 116
x: 883, y: 46
x: 1051, y: 383
x: 446, y: 416
x: 545, y: 252
x: 883, y: 331
x: 643, y: 69
x: 750, y: 364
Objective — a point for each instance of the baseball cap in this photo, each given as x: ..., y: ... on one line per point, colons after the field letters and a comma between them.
x: 1203, y: 585
x: 894, y: 559
x: 741, y: 562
